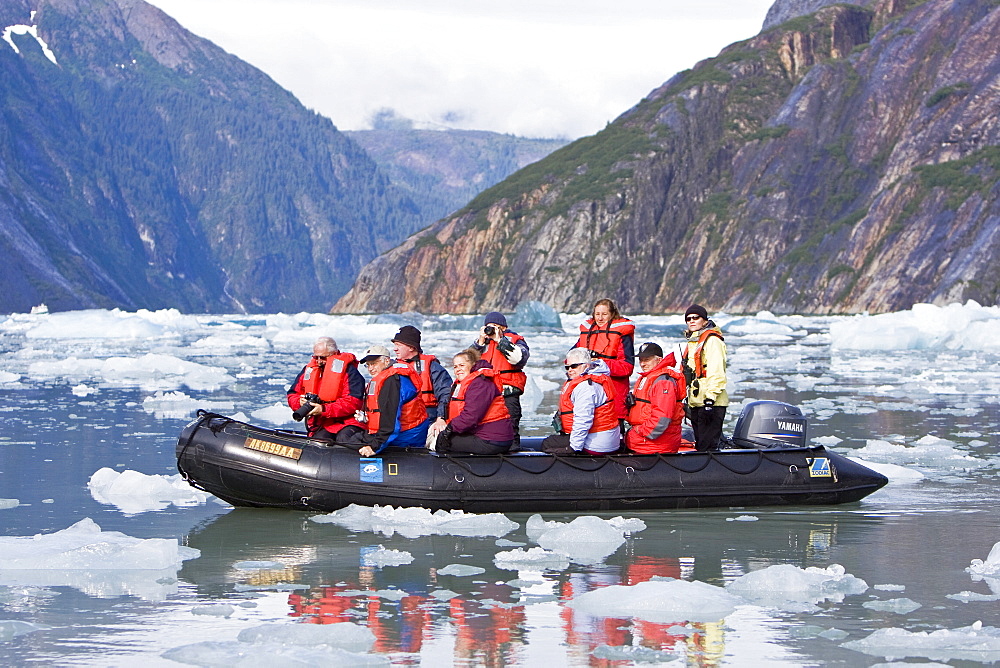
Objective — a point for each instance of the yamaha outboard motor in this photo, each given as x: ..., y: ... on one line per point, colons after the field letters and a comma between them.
x: 770, y: 424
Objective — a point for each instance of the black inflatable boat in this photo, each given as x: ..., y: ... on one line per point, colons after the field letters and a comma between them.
x: 767, y: 463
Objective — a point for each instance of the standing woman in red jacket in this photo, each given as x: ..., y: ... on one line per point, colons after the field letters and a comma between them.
x: 610, y: 337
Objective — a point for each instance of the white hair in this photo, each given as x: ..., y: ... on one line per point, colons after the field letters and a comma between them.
x: 578, y: 356
x: 327, y: 344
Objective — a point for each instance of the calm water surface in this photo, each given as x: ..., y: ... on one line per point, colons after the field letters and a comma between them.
x: 920, y: 536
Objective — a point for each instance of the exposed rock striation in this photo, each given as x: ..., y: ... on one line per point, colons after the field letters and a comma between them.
x: 843, y: 161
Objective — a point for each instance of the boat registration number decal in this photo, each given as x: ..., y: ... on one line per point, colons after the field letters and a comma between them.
x: 820, y: 468
x: 272, y: 448
x: 371, y: 469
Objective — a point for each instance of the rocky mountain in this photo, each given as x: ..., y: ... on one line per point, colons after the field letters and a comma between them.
x: 142, y: 166
x: 442, y: 170
x: 842, y: 161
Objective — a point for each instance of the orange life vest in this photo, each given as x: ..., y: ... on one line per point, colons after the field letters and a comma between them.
x: 643, y: 387
x: 424, y: 383
x: 605, y: 343
x: 497, y: 409
x: 510, y: 375
x: 327, y: 381
x: 412, y: 412
x: 699, y: 359
x: 605, y: 416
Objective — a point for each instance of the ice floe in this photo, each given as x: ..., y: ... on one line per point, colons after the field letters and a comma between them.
x: 133, y: 492
x: 791, y: 588
x: 415, y: 522
x: 660, y: 600
x: 970, y: 643
x: 386, y: 557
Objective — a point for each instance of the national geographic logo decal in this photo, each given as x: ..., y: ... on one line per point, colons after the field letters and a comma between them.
x: 272, y: 448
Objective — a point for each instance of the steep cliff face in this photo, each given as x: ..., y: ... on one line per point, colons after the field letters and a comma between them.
x: 142, y: 166
x: 843, y: 161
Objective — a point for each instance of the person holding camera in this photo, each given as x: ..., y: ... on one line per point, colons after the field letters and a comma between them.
x: 506, y: 352
x: 705, y: 371
x: 393, y: 413
x: 656, y: 403
x: 610, y: 337
x: 327, y: 392
x: 434, y: 381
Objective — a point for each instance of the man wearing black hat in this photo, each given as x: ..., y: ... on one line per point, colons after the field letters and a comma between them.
x: 705, y: 370
x: 507, y: 352
x: 655, y: 405
x: 435, y: 381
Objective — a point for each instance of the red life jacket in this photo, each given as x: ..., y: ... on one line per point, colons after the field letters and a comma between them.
x: 643, y: 406
x: 327, y: 381
x: 424, y: 384
x: 605, y: 416
x: 412, y: 412
x: 699, y: 359
x: 605, y: 343
x: 497, y: 409
x: 510, y: 375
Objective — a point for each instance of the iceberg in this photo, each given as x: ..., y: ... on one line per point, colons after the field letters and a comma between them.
x: 795, y: 589
x: 659, y: 600
x: 133, y: 492
x: 968, y: 326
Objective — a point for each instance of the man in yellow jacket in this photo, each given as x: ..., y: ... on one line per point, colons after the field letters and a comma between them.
x: 705, y: 369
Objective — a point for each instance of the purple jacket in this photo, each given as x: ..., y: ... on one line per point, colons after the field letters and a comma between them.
x: 478, y: 396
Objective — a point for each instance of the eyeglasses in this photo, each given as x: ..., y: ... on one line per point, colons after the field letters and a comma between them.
x: 320, y: 357
x: 692, y: 317
x: 573, y: 366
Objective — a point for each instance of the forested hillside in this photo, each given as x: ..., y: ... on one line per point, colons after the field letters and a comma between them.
x: 142, y: 166
x: 846, y: 160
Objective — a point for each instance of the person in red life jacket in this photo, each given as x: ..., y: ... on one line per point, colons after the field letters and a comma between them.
x: 393, y: 413
x: 587, y: 417
x: 656, y: 404
x: 477, y: 418
x: 705, y: 370
x: 507, y: 352
x: 610, y: 337
x: 332, y: 385
x: 435, y: 381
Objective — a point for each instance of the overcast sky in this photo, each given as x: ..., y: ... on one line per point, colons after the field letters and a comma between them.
x: 537, y: 68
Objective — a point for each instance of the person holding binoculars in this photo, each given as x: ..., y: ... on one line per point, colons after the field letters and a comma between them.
x: 507, y: 353
x: 327, y: 392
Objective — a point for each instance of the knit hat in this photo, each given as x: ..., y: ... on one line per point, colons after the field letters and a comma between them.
x: 409, y: 335
x: 696, y: 309
x: 649, y: 349
x: 495, y: 318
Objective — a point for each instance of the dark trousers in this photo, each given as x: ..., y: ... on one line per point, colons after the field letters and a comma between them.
x: 471, y: 444
x: 707, y: 426
x: 513, y: 404
x: 558, y: 444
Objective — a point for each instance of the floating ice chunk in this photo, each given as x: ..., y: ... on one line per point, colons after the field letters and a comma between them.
x: 384, y: 557
x: 276, y: 413
x: 226, y: 654
x: 414, y: 522
x: 8, y: 377
x: 214, y: 610
x: 444, y: 594
x: 788, y: 587
x: 989, y: 568
x: 955, y: 327
x: 165, y: 405
x: 659, y: 601
x: 151, y: 371
x: 461, y: 570
x: 585, y: 540
x: 826, y: 441
x: 967, y: 596
x: 344, y: 635
x: 533, y: 559
x: 901, y: 606
x: 6, y: 504
x: 889, y: 587
x: 99, y: 563
x: 743, y: 518
x: 10, y: 628
x: 133, y: 492
x: 503, y: 542
x: 970, y: 643
x: 98, y: 324
x: 635, y: 653
x: 258, y: 565
x: 763, y: 323
x: 535, y: 314
x: 895, y: 474
x: 536, y: 526
x: 83, y: 390
x: 224, y: 344
x: 928, y: 451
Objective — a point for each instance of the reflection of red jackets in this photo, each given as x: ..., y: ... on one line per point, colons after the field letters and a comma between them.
x: 657, y: 414
x: 338, y: 383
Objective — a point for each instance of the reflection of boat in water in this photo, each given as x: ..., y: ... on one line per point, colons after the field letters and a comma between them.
x: 254, y: 466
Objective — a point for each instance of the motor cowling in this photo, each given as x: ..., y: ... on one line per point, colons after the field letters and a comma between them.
x: 770, y: 424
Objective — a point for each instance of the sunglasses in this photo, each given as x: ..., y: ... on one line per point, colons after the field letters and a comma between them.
x: 692, y: 317
x: 573, y: 366
x: 320, y: 357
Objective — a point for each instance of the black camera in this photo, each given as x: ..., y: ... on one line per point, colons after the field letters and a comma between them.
x: 629, y: 400
x: 308, y: 401
x: 490, y: 331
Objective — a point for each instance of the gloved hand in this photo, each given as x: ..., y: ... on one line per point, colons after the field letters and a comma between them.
x: 708, y: 405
